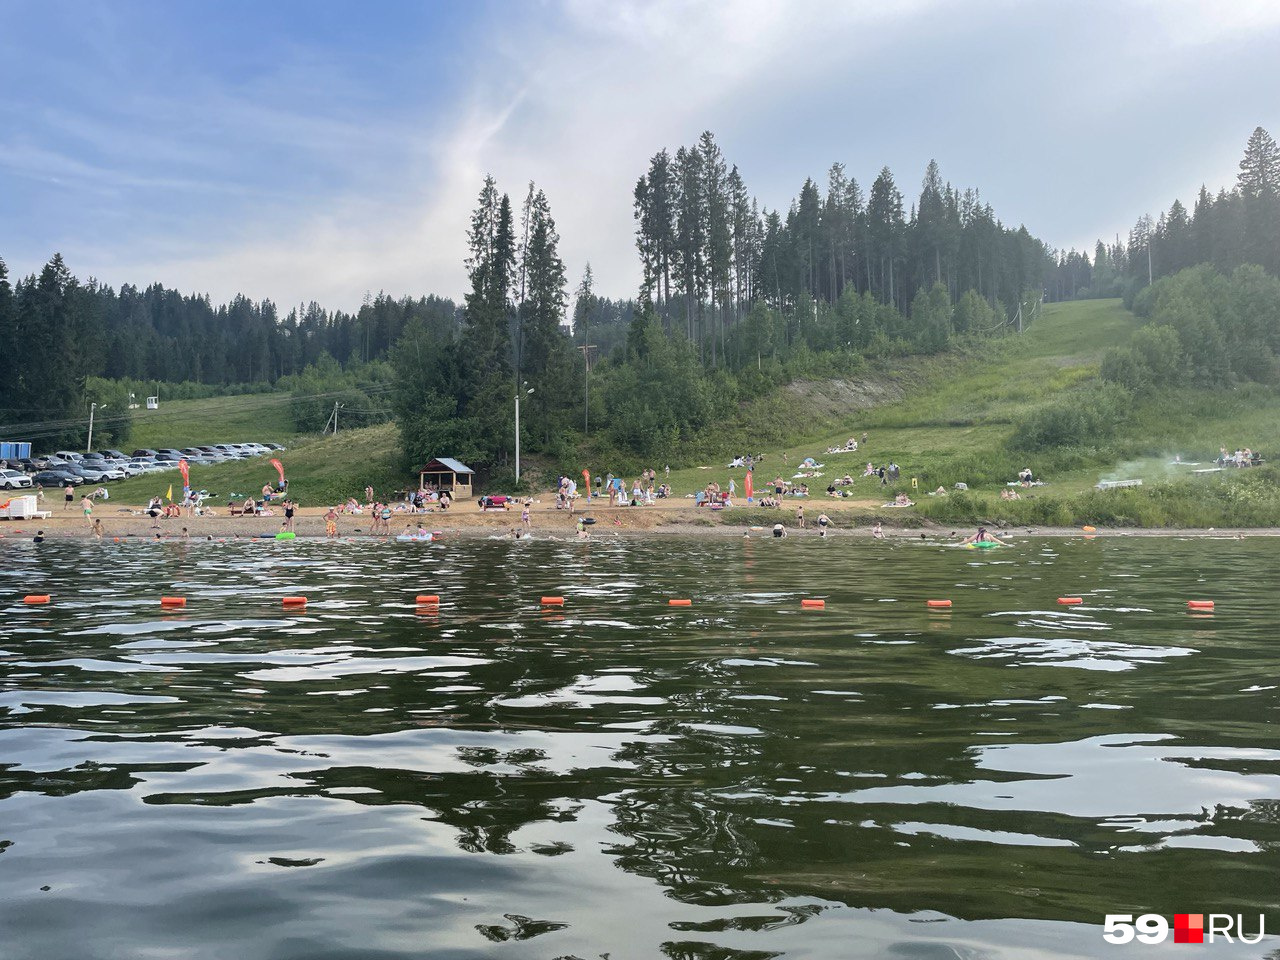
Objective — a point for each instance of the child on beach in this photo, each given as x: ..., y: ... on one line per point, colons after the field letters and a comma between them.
x: 331, y: 523
x: 877, y: 531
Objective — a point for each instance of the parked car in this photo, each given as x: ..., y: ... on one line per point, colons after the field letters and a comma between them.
x: 69, y: 455
x: 116, y: 454
x: 54, y: 477
x: 228, y: 450
x: 145, y: 452
x: 32, y: 464
x: 93, y: 474
x: 170, y: 453
x: 98, y: 461
x: 13, y: 479
x: 276, y: 446
x: 196, y: 455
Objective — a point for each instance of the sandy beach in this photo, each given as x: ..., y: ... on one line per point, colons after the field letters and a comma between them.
x: 849, y: 518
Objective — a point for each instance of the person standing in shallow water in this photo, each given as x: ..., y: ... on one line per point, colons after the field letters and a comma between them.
x: 800, y: 516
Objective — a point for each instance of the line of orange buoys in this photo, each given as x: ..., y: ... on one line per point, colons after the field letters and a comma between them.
x: 433, y: 600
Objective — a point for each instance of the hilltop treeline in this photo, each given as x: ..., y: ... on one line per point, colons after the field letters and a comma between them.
x: 708, y: 251
x: 1225, y: 230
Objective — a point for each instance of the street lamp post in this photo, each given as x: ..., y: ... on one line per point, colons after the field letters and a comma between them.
x: 519, y: 390
x: 89, y: 445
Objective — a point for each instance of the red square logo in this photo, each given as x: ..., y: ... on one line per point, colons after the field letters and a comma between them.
x: 1188, y: 928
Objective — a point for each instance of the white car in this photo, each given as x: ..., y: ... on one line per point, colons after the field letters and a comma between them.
x: 14, y: 480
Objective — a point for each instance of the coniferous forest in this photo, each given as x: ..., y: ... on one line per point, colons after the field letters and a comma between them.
x: 735, y: 299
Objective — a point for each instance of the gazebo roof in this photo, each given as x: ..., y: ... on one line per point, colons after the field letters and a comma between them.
x: 445, y: 465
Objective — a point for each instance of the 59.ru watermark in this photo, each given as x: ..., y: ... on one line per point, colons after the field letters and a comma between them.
x: 1187, y: 928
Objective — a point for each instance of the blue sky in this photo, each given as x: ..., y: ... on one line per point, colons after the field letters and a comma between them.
x: 319, y: 150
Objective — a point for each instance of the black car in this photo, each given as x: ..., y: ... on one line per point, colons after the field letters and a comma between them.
x: 145, y: 453
x: 57, y: 478
x: 115, y: 455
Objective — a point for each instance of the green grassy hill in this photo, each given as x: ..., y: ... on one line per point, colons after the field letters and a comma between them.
x: 321, y: 470
x: 958, y: 413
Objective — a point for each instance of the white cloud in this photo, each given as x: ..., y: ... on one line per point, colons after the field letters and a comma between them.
x: 577, y: 96
x: 587, y: 96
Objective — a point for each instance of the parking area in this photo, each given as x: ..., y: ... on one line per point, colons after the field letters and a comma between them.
x: 65, y: 467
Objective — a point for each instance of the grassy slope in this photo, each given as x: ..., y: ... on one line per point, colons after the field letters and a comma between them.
x: 321, y: 470
x: 959, y: 411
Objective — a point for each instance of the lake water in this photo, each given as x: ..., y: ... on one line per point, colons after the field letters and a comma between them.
x: 737, y: 779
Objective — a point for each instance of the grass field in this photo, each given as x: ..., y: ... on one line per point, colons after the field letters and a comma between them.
x: 258, y: 417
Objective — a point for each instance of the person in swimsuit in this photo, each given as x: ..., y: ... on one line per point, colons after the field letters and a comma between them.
x: 331, y: 523
x: 779, y: 530
x: 39, y: 537
x: 288, y: 515
x: 823, y: 522
x: 983, y: 537
x: 86, y: 504
x: 69, y: 492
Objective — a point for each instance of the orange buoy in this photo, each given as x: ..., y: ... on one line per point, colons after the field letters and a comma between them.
x: 1088, y: 529
x: 938, y: 603
x: 295, y: 601
x: 173, y: 601
x: 813, y: 604
x: 1199, y: 604
x: 553, y: 601
x: 36, y: 598
x: 429, y: 599
x: 680, y: 603
x: 1070, y: 601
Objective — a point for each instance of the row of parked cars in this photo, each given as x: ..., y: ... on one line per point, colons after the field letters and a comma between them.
x: 68, y: 467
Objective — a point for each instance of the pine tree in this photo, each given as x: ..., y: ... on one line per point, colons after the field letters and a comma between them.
x: 690, y: 239
x: 886, y: 228
x: 717, y: 231
x: 1260, y: 168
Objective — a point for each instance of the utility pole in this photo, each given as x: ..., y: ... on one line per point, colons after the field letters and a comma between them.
x: 89, y: 445
x: 586, y: 349
x: 525, y: 389
x: 333, y: 419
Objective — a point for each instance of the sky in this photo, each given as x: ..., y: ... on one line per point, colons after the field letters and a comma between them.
x: 319, y: 150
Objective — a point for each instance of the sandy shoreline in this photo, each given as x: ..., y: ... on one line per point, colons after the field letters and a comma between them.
x: 676, y: 518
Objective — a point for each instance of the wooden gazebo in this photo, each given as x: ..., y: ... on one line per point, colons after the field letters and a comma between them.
x: 445, y: 473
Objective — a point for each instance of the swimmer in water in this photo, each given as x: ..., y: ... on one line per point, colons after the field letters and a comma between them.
x: 877, y: 531
x: 39, y: 537
x: 983, y: 537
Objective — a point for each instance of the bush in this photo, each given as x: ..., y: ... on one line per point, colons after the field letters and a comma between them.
x: 1080, y: 418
